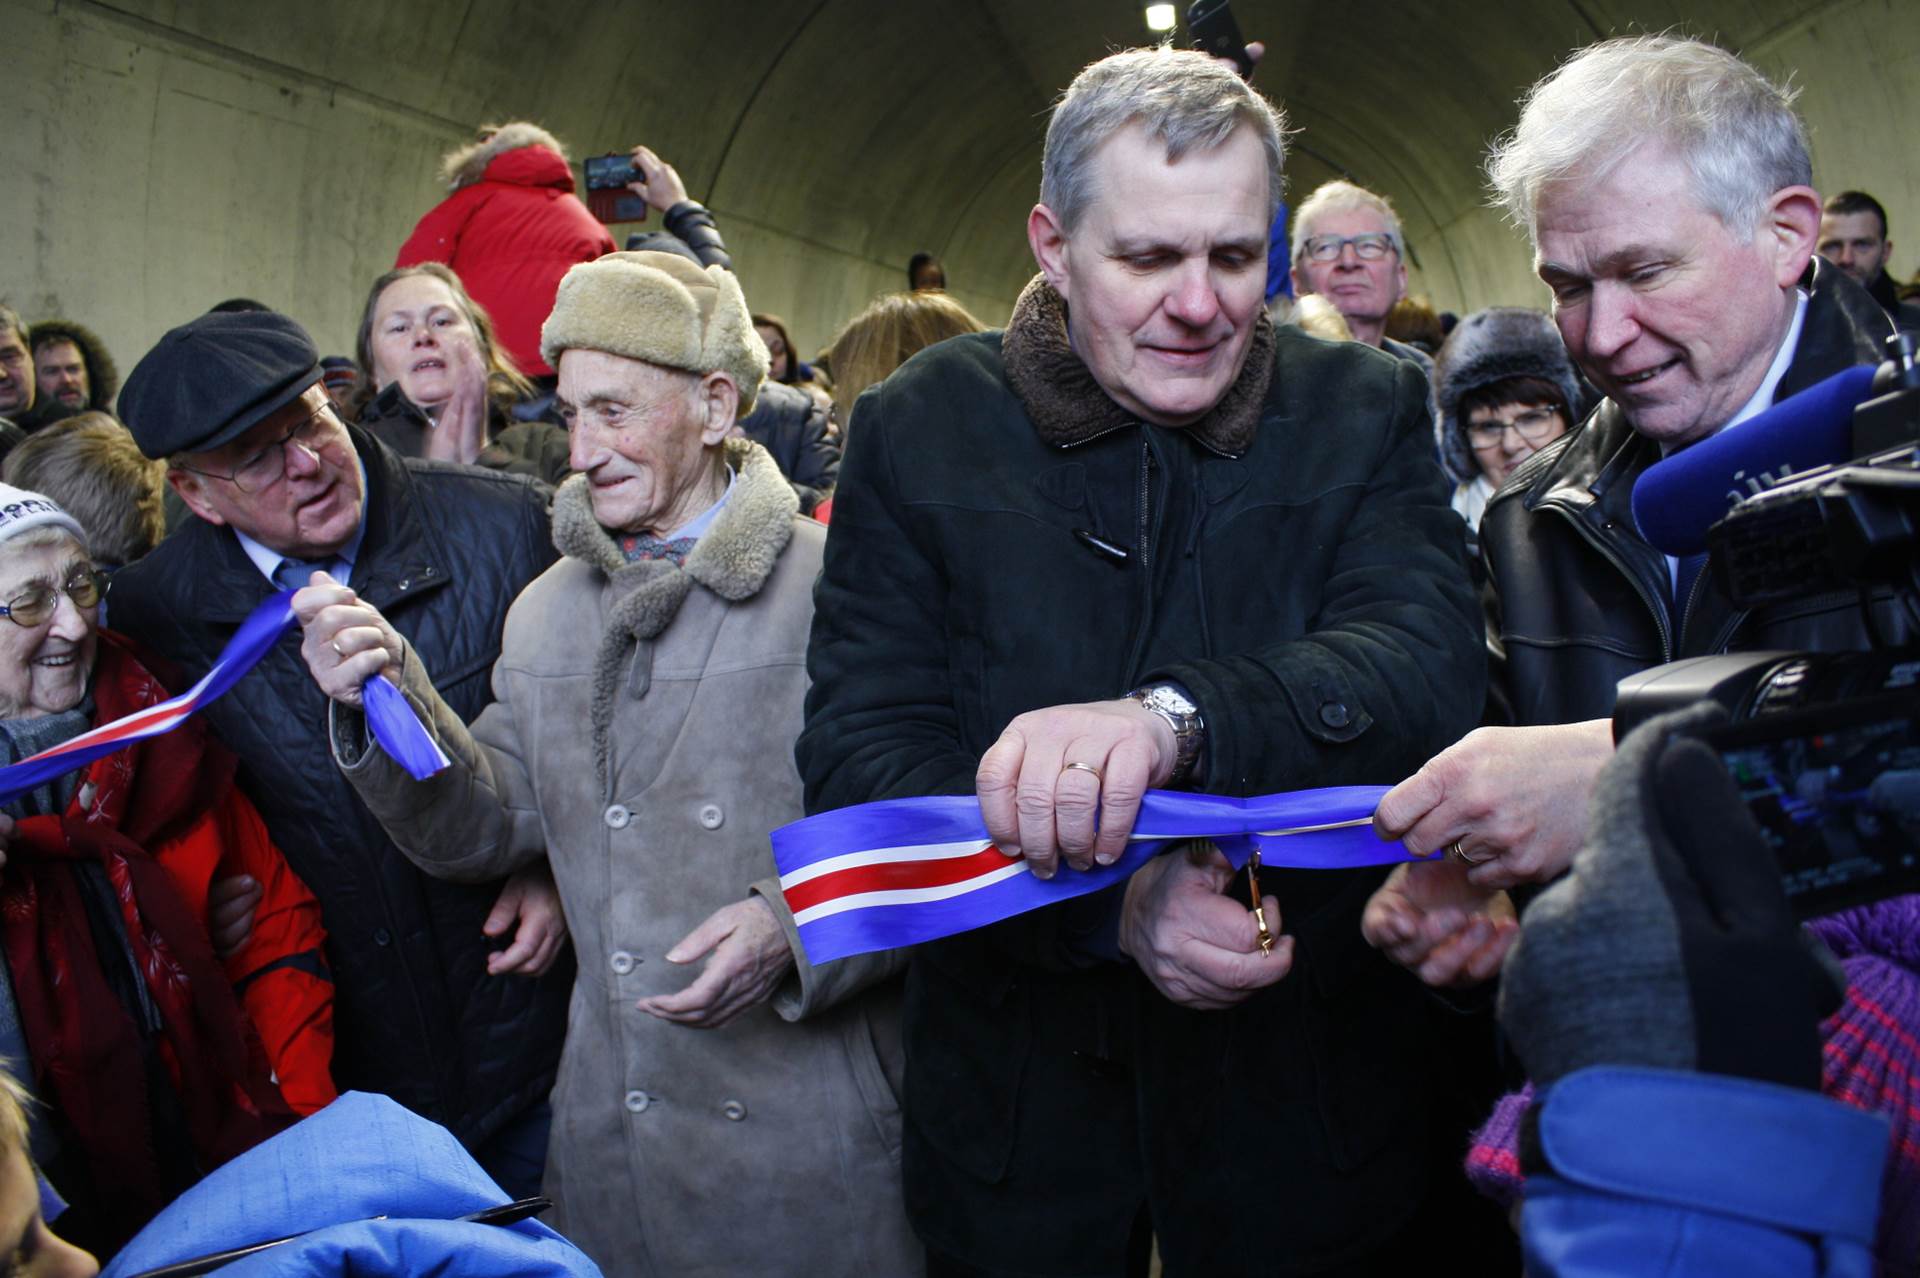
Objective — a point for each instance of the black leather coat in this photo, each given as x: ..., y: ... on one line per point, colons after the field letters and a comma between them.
x: 446, y: 550
x: 1582, y: 601
x: 1311, y: 593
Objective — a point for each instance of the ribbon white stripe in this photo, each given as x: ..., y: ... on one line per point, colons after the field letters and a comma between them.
x: 908, y: 896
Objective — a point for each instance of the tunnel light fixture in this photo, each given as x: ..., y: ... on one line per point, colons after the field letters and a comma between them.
x: 1159, y: 17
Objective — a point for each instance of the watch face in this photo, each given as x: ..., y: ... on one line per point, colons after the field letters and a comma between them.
x: 1165, y: 698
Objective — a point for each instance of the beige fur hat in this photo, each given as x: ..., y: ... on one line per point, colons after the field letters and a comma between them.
x: 660, y: 308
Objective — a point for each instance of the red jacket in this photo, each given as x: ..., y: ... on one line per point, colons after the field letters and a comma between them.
x: 279, y: 974
x: 510, y: 237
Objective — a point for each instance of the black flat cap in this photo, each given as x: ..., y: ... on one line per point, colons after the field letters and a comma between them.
x: 211, y: 380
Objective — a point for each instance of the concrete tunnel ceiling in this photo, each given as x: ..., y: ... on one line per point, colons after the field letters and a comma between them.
x: 284, y: 150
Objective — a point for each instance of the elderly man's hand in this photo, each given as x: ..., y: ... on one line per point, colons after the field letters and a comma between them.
x: 1513, y: 799
x: 1430, y: 919
x: 1068, y: 781
x: 530, y: 900
x: 1199, y: 948
x: 659, y: 185
x: 750, y: 956
x: 347, y: 642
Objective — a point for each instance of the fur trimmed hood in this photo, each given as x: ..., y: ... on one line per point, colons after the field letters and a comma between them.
x: 466, y: 165
x: 103, y: 378
x: 1490, y: 346
x: 733, y: 559
x: 1068, y: 406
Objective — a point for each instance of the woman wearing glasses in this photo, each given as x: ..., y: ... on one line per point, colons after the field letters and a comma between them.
x: 156, y: 1056
x: 1503, y: 388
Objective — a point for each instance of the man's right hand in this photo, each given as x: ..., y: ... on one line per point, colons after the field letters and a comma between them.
x: 659, y: 185
x: 1514, y: 800
x: 346, y: 642
x: 1199, y: 948
x: 1067, y: 781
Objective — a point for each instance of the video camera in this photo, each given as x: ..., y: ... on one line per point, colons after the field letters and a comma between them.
x: 1825, y: 747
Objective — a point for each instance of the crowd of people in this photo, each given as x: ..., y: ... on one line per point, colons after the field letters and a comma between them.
x: 655, y: 585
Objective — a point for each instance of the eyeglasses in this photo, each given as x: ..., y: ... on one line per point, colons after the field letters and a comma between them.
x: 1370, y: 247
x: 262, y: 468
x: 36, y: 603
x: 1537, y: 426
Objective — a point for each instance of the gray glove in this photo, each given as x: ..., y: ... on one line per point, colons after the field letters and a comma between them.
x: 1670, y: 944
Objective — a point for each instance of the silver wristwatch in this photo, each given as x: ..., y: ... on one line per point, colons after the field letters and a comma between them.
x: 1171, y: 703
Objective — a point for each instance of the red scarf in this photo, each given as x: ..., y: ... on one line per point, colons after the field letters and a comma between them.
x: 88, y: 1059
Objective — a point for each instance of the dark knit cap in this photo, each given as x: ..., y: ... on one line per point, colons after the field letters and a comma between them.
x: 211, y: 380
x: 1491, y: 346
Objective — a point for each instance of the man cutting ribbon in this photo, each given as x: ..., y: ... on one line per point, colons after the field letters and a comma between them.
x: 1141, y: 487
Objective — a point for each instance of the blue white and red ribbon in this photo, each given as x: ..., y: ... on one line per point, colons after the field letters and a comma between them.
x: 399, y: 734
x: 902, y: 871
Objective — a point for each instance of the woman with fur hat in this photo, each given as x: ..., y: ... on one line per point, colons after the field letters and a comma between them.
x: 510, y: 229
x: 1503, y: 388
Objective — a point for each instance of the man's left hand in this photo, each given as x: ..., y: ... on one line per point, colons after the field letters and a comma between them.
x: 531, y: 897
x: 1068, y: 781
x: 750, y: 957
x: 1199, y: 948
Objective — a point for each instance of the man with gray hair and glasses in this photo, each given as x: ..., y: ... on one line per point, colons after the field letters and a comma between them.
x: 1666, y: 189
x: 1347, y: 247
x: 1143, y: 539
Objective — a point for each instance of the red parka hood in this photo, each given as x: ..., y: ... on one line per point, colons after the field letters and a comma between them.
x: 530, y: 166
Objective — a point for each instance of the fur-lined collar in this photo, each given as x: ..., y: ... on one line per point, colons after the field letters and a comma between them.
x: 465, y: 166
x: 1069, y: 407
x: 733, y: 560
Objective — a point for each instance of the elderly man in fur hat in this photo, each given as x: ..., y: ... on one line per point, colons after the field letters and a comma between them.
x: 649, y: 691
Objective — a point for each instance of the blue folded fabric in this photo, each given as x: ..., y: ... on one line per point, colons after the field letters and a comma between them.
x: 360, y: 1157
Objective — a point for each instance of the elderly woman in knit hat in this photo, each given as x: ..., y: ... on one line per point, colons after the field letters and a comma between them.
x: 1503, y: 388
x: 120, y: 1015
x: 650, y: 688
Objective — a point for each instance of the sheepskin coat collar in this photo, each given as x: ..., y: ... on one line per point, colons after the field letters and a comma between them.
x: 732, y: 560
x: 1069, y: 407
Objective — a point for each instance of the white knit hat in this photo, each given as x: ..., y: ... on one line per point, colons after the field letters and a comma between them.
x: 21, y: 511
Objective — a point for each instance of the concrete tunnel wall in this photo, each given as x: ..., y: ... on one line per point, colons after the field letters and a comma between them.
x: 160, y: 155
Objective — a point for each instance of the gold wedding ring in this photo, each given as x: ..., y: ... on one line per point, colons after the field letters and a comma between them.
x: 335, y: 645
x: 1082, y: 767
x: 1459, y: 854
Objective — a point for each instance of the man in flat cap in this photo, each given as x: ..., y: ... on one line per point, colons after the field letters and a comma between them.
x: 282, y: 487
x: 650, y: 689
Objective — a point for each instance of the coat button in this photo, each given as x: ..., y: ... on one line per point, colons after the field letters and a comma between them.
x: 619, y: 817
x: 734, y: 1110
x: 711, y: 816
x: 382, y: 937
x: 622, y: 962
x: 1334, y: 714
x: 406, y: 583
x: 637, y: 1101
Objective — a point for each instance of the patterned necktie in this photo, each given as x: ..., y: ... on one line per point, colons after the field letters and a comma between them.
x: 638, y: 546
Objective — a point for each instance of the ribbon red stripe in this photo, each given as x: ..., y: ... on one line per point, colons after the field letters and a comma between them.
x: 893, y: 876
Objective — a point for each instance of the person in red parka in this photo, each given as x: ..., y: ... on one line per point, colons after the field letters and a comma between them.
x: 510, y: 229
